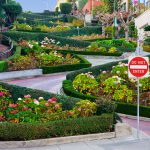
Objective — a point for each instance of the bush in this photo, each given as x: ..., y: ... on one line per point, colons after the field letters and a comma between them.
x: 78, y: 23
x: 69, y: 127
x: 3, y: 66
x: 105, y: 105
x: 65, y: 8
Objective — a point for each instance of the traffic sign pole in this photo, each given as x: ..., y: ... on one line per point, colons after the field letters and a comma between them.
x: 138, y: 108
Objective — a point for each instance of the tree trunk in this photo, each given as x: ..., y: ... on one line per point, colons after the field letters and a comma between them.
x: 127, y: 33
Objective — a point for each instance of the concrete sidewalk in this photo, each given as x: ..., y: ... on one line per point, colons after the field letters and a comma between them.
x: 126, y: 143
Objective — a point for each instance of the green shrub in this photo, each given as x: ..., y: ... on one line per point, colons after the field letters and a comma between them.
x: 3, y: 66
x: 65, y: 8
x: 69, y: 127
x: 105, y: 105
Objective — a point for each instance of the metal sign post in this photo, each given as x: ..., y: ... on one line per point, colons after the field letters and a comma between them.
x: 138, y: 67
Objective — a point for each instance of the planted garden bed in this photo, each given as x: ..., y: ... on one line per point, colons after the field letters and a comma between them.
x: 111, y: 84
x: 27, y: 114
x: 35, y: 57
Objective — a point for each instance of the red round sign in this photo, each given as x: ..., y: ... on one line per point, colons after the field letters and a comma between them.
x: 138, y: 66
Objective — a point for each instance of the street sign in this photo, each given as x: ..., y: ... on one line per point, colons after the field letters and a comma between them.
x: 138, y: 67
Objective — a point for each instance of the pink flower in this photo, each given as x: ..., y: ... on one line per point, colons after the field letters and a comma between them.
x: 36, y: 102
x: 49, y: 111
x: 13, y: 105
x: 50, y: 100
x: 53, y: 102
x: 25, y: 101
x: 1, y: 94
x: 54, y: 99
x: 27, y: 96
x: 57, y: 106
x: 47, y: 104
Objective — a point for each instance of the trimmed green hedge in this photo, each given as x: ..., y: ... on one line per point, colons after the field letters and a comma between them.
x: 68, y: 67
x: 90, y: 53
x: 3, y: 66
x: 131, y: 109
x: 15, y: 35
x: 61, y: 128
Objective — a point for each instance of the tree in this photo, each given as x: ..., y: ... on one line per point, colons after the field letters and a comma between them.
x: 65, y: 8
x: 12, y: 10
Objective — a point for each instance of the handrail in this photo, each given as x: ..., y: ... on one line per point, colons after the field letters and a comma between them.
x: 8, y: 52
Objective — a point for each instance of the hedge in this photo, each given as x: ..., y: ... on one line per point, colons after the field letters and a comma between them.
x: 16, y: 91
x: 68, y: 67
x: 73, y: 31
x: 61, y: 128
x: 3, y: 66
x: 15, y: 35
x: 131, y: 109
x: 91, y: 53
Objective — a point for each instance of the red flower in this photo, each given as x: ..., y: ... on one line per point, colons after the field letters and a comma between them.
x: 14, y: 111
x: 54, y: 99
x: 25, y: 108
x: 13, y: 105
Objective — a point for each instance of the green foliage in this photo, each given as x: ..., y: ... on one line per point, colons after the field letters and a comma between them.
x: 105, y: 105
x: 147, y: 28
x: 3, y: 66
x: 78, y: 23
x: 82, y: 3
x: 112, y: 50
x: 131, y: 109
x: 12, y: 10
x: 69, y: 127
x: 85, y: 108
x: 85, y: 83
x: 65, y: 8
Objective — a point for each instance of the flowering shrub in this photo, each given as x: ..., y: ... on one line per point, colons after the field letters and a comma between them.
x: 115, y: 84
x: 85, y: 83
x: 85, y: 108
x: 112, y: 50
x: 78, y: 23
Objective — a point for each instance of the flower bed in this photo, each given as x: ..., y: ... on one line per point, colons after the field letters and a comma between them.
x: 50, y: 63
x: 51, y: 44
x: 42, y: 115
x: 112, y: 85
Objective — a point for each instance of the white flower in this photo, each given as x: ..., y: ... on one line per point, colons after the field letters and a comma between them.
x: 36, y: 102
x: 118, y: 72
x: 58, y: 43
x: 103, y: 72
x: 42, y: 46
x: 41, y: 98
x: 30, y: 45
x: 19, y: 99
x: 113, y: 66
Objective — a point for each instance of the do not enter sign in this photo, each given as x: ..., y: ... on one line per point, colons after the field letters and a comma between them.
x: 138, y: 67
